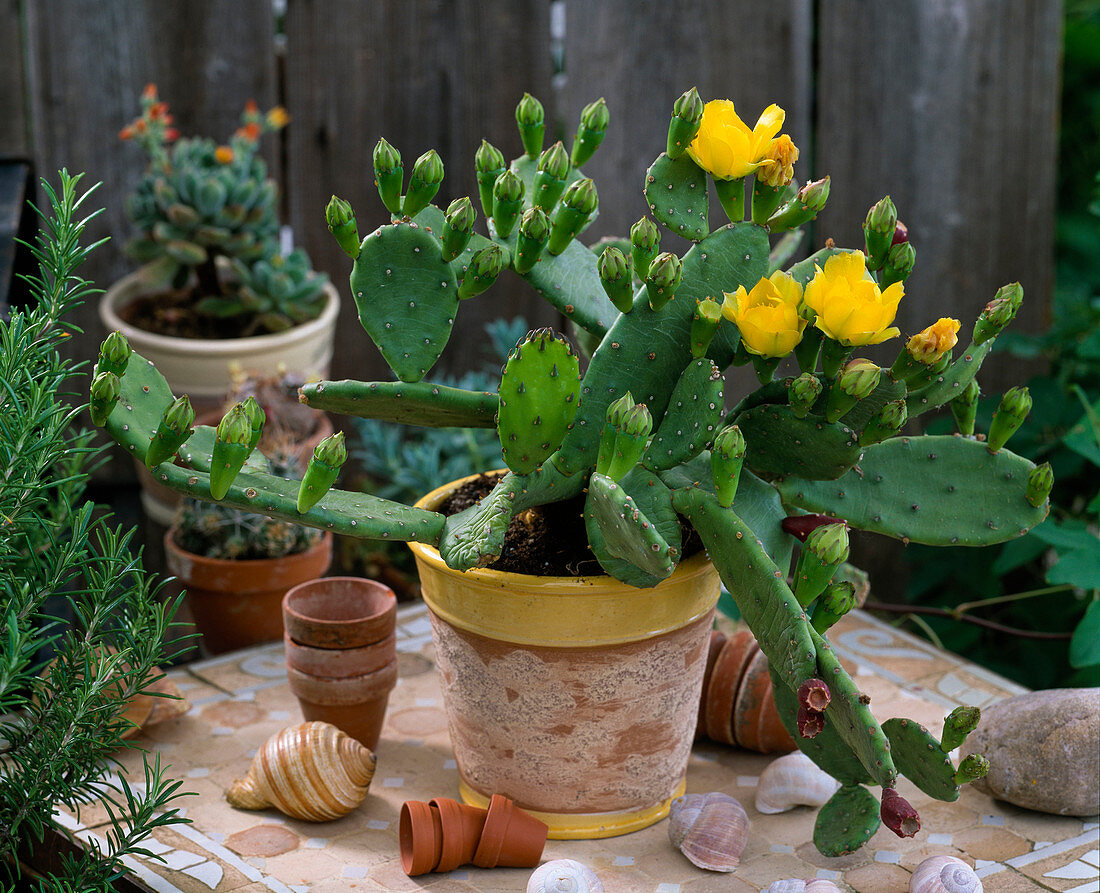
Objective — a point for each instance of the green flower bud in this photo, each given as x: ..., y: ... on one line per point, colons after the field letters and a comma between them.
x: 837, y: 600
x: 321, y: 473
x: 825, y: 548
x: 664, y: 277
x: 804, y: 207
x: 172, y: 432
x: 959, y: 723
x: 885, y: 423
x: 631, y: 435
x: 999, y: 312
x: 341, y: 223
x: 507, y: 203
x: 235, y: 426
x: 427, y: 174
x: 829, y: 543
x: 114, y: 354
x: 458, y: 226
x: 550, y: 176
x: 727, y: 455
x: 489, y: 164
x: 1039, y: 483
x: 965, y: 408
x: 485, y: 266
x: 578, y: 204
x: 900, y: 260
x: 530, y: 118
x: 618, y: 409
x: 581, y: 196
x: 594, y: 120
x: 331, y: 451
x: 617, y: 412
x: 257, y: 417
x: 854, y: 382
x: 389, y: 175
x: 1015, y: 405
x: 534, y: 233
x: 878, y: 232
x: 105, y: 390
x: 973, y: 767
x: 645, y: 241
x: 687, y: 115
x: 231, y: 448
x: 704, y: 326
x: 804, y: 393
x: 614, y: 270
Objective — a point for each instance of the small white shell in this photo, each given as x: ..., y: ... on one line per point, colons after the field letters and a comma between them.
x: 564, y: 876
x: 793, y: 780
x: 710, y: 829
x: 794, y: 885
x: 944, y: 874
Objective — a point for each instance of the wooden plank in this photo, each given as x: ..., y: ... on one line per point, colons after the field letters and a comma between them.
x: 951, y: 108
x: 424, y: 74
x: 14, y: 133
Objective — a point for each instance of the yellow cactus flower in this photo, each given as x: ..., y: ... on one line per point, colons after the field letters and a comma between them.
x: 929, y: 346
x: 850, y: 307
x: 778, y: 167
x: 767, y: 316
x: 223, y: 154
x: 725, y: 147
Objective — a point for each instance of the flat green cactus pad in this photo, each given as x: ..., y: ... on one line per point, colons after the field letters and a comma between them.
x: 571, y: 284
x: 691, y: 420
x: 407, y: 297
x: 780, y: 444
x: 676, y: 191
x: 939, y: 490
x: 917, y: 754
x: 418, y: 403
x: 626, y: 532
x: 847, y: 821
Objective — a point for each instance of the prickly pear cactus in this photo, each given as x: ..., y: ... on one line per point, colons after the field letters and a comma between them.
x: 644, y: 432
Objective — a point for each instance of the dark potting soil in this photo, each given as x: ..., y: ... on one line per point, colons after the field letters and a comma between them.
x: 172, y: 313
x: 549, y: 540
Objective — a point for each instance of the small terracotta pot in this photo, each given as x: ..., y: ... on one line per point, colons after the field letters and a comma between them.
x: 355, y: 704
x: 337, y: 663
x: 714, y: 648
x: 462, y: 826
x: 419, y: 837
x: 756, y: 723
x: 339, y: 612
x: 720, y: 694
x: 236, y: 603
x: 511, y: 838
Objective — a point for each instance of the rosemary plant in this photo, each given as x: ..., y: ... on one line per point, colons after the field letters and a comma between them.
x: 60, y: 731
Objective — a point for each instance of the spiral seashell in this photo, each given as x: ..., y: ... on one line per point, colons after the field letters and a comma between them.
x: 312, y: 771
x: 710, y: 829
x: 795, y: 885
x: 944, y: 874
x: 793, y: 780
x: 564, y: 876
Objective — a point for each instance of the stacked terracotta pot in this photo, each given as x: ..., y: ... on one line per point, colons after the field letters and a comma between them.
x: 442, y: 834
x: 341, y: 652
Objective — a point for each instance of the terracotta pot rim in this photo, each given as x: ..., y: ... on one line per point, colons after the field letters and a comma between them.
x: 359, y: 661
x: 369, y: 681
x: 370, y: 617
x: 170, y: 545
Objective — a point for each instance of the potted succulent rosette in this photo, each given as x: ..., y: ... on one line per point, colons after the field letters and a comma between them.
x: 578, y: 695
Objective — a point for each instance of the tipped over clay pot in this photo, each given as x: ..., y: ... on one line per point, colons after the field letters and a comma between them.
x: 462, y: 828
x: 419, y: 837
x: 511, y: 838
x: 339, y: 612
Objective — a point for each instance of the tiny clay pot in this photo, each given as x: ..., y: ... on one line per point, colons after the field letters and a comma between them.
x: 720, y: 692
x: 462, y: 828
x: 338, y: 663
x: 511, y: 838
x: 339, y: 612
x: 419, y: 837
x: 714, y: 647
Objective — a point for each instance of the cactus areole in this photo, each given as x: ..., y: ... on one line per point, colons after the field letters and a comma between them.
x: 644, y: 433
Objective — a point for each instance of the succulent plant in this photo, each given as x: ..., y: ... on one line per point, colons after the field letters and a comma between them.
x: 644, y: 432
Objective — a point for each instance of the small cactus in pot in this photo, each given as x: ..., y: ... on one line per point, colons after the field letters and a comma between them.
x: 643, y: 435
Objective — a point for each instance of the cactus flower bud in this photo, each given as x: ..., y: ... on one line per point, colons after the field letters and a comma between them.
x: 727, y: 455
x: 508, y: 193
x: 803, y: 394
x: 630, y: 425
x: 172, y: 432
x: 704, y: 325
x: 618, y: 409
x: 900, y: 260
x: 257, y: 417
x: 550, y: 176
x: 959, y: 723
x: 489, y: 164
x: 1039, y: 483
x: 898, y: 815
x: 1015, y: 405
x: 998, y: 313
x: 878, y: 231
x: 341, y: 223
x: 530, y: 118
x: 484, y: 268
x: 965, y: 408
x: 885, y: 423
x: 973, y: 767
x: 389, y: 175
x: 814, y: 694
x: 534, y: 233
x: 929, y: 346
x: 578, y: 204
x: 105, y: 391
x: 811, y: 723
x: 458, y: 226
x: 427, y: 174
x: 231, y: 448
x: 837, y: 600
x: 825, y: 549
x: 645, y: 242
x: 801, y: 526
x: 614, y: 270
x: 687, y: 115
x: 114, y: 354
x: 321, y: 473
x: 594, y: 120
x: 853, y: 383
x: 804, y: 207
x: 664, y: 277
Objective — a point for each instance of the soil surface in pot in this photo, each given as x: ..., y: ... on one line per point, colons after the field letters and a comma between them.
x: 550, y: 539
x: 172, y: 313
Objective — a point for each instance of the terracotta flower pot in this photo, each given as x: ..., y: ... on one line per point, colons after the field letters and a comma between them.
x: 511, y: 838
x: 236, y: 604
x: 340, y: 612
x: 462, y: 826
x: 419, y: 837
x: 339, y: 662
x: 355, y: 704
x: 575, y: 697
x: 721, y: 693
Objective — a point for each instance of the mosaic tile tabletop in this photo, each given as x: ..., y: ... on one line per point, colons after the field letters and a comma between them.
x: 239, y: 700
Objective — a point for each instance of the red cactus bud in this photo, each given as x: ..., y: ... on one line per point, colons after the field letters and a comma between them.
x: 150, y: 91
x: 901, y: 234
x: 810, y: 722
x: 814, y: 694
x: 898, y: 815
x: 801, y: 526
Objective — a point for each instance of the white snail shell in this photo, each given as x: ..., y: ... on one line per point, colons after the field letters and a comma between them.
x: 710, y: 829
x: 944, y: 874
x: 311, y: 771
x: 794, y: 885
x: 793, y: 780
x: 564, y: 876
